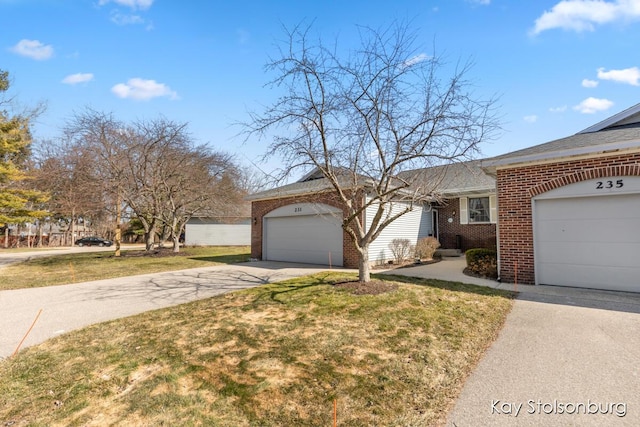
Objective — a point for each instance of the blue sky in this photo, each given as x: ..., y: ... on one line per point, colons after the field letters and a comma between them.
x: 558, y: 66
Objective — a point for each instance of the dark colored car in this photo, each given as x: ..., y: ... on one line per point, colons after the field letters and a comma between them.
x: 93, y: 241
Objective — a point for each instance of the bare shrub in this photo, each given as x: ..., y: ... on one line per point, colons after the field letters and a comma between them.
x: 401, y: 249
x: 426, y: 247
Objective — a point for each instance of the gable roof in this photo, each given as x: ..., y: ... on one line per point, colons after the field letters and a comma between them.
x: 299, y: 188
x: 455, y: 179
x: 448, y: 180
x: 620, y: 132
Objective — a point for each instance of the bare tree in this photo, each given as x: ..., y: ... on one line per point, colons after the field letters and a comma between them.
x: 68, y: 174
x: 154, y: 169
x: 363, y: 118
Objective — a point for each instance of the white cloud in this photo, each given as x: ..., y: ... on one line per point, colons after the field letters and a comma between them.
x: 143, y: 90
x: 73, y: 79
x: 124, y: 19
x: 628, y: 75
x: 561, y: 109
x: 133, y: 4
x: 589, y: 83
x: 415, y: 60
x: 33, y: 49
x: 482, y: 2
x: 593, y: 105
x: 584, y: 15
x: 531, y: 119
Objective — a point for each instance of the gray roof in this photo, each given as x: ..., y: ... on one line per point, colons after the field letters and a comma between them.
x: 446, y: 180
x: 294, y: 189
x: 455, y: 179
x: 619, y: 132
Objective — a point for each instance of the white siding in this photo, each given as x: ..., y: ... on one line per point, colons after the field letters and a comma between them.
x: 412, y: 225
x: 204, y: 234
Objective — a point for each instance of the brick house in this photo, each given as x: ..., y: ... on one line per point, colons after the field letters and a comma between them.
x: 569, y: 209
x: 302, y: 221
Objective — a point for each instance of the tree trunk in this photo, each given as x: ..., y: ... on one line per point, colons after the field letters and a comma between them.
x: 148, y: 240
x: 364, y: 268
x: 118, y: 226
x: 176, y: 243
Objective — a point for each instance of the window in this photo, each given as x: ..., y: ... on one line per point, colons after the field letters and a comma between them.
x: 479, y: 209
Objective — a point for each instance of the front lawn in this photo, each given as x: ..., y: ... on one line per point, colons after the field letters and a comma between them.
x: 275, y: 355
x: 83, y: 267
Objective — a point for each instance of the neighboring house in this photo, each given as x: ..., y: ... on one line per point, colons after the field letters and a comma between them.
x: 302, y: 221
x: 569, y: 210
x: 218, y: 231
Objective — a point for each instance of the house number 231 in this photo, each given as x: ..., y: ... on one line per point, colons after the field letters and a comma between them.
x: 609, y: 184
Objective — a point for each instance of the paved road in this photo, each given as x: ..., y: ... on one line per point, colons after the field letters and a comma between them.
x: 69, y: 307
x: 564, y: 357
x: 9, y: 256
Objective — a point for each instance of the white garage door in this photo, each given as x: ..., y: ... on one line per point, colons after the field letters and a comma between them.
x: 307, y: 235
x: 589, y: 241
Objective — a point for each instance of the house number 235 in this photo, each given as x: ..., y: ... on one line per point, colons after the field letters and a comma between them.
x: 609, y: 184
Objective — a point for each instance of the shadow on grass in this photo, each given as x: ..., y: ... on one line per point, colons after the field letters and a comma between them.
x: 222, y: 259
x: 278, y: 290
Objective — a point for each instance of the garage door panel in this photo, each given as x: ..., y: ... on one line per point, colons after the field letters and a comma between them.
x: 592, y: 230
x: 594, y: 277
x: 577, y: 208
x: 313, y: 239
x: 590, y: 241
x: 590, y: 254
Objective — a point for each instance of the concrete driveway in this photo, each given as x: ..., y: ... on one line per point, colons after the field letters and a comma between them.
x: 565, y: 357
x: 69, y: 307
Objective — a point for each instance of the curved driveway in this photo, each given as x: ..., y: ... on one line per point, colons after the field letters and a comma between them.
x: 68, y: 307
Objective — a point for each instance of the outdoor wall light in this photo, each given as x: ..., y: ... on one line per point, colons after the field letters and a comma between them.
x: 255, y: 220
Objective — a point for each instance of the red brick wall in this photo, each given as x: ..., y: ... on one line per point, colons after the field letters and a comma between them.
x: 259, y: 209
x: 516, y: 187
x: 472, y: 235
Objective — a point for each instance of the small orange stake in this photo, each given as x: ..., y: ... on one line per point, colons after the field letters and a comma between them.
x: 25, y: 335
x: 73, y: 276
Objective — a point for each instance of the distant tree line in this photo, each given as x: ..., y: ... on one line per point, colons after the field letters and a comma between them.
x: 103, y: 171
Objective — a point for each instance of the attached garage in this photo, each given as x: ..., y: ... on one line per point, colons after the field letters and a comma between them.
x: 569, y: 209
x: 304, y: 232
x: 587, y: 235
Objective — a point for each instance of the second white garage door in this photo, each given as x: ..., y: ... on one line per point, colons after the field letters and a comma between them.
x: 303, y: 233
x: 589, y: 241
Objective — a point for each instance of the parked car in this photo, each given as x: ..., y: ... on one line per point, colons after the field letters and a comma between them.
x: 93, y: 241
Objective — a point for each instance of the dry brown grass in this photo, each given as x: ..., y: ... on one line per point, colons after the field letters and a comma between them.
x: 83, y: 267
x: 271, y: 356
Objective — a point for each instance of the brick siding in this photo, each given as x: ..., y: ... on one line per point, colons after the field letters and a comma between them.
x: 350, y: 255
x: 471, y: 235
x: 517, y: 186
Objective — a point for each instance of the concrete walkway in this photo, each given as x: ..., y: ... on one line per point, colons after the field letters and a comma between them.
x: 565, y: 357
x: 68, y: 307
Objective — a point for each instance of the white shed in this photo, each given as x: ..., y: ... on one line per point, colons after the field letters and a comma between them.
x: 220, y: 231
